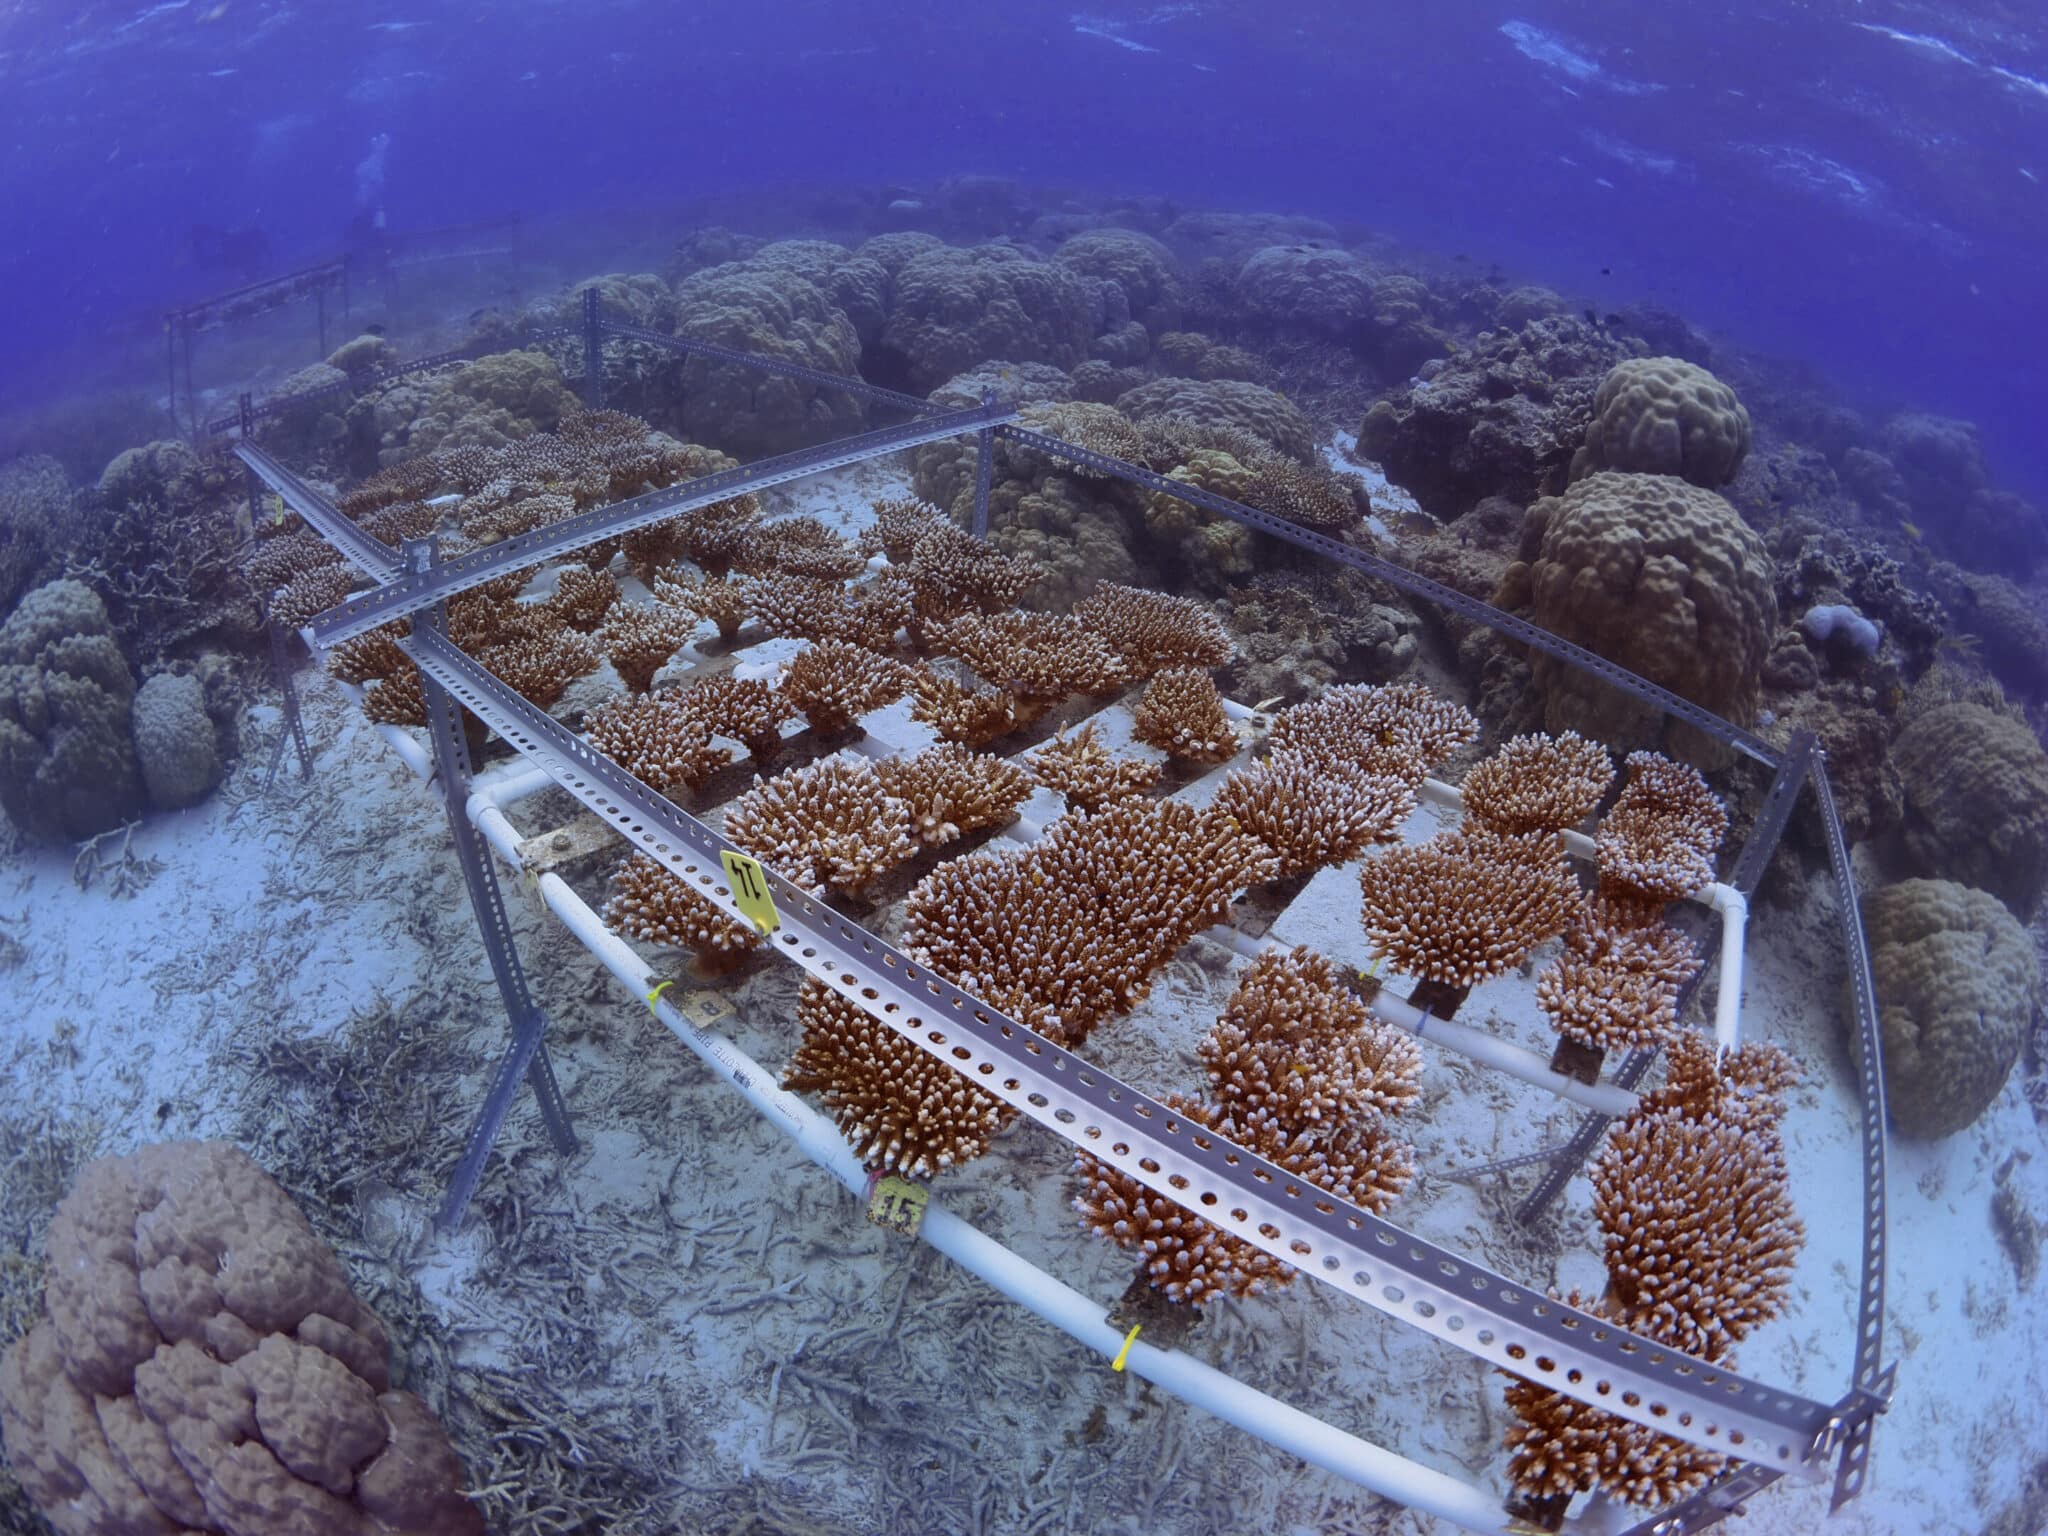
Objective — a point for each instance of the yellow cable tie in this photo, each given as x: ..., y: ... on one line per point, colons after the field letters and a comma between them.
x: 655, y: 996
x: 1125, y: 1353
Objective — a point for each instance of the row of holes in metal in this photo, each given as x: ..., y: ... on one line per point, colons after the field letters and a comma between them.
x: 1118, y: 1151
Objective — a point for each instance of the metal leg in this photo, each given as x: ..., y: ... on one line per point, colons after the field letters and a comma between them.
x: 984, y: 467
x: 295, y: 725
x: 526, y: 1056
x: 593, y: 353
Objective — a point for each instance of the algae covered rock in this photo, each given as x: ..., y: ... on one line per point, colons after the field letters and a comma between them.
x: 1957, y: 984
x: 174, y: 741
x: 1665, y: 416
x: 1976, y: 801
x: 1664, y: 578
x: 67, y: 755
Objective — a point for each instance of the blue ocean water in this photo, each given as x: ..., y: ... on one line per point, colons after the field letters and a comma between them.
x: 1859, y: 185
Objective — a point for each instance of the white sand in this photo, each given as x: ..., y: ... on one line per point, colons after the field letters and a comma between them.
x: 721, y: 1268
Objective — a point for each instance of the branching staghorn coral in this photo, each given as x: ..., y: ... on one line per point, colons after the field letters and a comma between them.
x: 973, y: 717
x: 1398, y: 729
x: 582, y: 597
x: 952, y: 573
x: 834, y: 682
x: 1034, y: 655
x: 1313, y: 816
x: 1182, y: 715
x: 1616, y: 987
x: 1152, y: 630
x: 397, y: 698
x: 1661, y: 837
x: 541, y: 665
x: 276, y: 562
x: 802, y: 546
x: 658, y: 740
x: 1466, y: 906
x: 715, y: 536
x: 903, y: 1110
x: 741, y: 709
x: 1538, y: 783
x: 1088, y: 773
x: 639, y: 639
x: 312, y: 593
x: 831, y: 823
x: 949, y: 791
x: 366, y: 658
x: 898, y: 524
x: 723, y: 603
x: 814, y: 608
x: 649, y: 903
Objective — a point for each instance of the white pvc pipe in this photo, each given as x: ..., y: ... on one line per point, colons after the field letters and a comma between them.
x: 1279, y: 1424
x: 1734, y: 910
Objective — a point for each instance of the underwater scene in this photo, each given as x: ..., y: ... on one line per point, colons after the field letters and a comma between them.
x: 797, y: 770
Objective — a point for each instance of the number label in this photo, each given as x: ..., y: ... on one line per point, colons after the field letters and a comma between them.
x: 750, y: 891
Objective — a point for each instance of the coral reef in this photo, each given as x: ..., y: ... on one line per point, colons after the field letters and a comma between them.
x: 67, y: 750
x: 639, y: 639
x: 1152, y: 631
x: 1266, y: 415
x: 1665, y: 416
x: 490, y: 403
x: 1035, y: 655
x: 1660, y: 576
x: 834, y: 682
x: 1142, y: 271
x: 658, y: 739
x: 948, y: 791
x: 174, y: 741
x: 649, y: 903
x: 1088, y: 773
x: 1306, y: 288
x: 1538, y: 783
x: 742, y: 709
x: 1957, y: 986
x: 1660, y: 838
x: 1976, y: 801
x: 1399, y: 730
x: 205, y: 1366
x: 35, y: 522
x: 1467, y: 905
x: 1313, y: 814
x: 973, y: 717
x: 831, y: 823
x: 1182, y: 715
x: 1616, y: 984
x: 957, y: 307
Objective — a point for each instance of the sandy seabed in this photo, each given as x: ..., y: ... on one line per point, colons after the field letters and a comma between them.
x: 687, y: 1327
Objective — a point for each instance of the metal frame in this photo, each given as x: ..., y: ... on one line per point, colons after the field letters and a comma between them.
x: 1770, y: 1431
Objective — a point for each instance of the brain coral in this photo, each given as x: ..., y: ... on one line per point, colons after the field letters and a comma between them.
x: 1957, y: 984
x: 1665, y: 416
x: 1266, y: 414
x: 766, y: 304
x: 67, y: 755
x: 174, y: 741
x: 1976, y: 793
x: 955, y: 308
x: 1664, y: 578
x: 205, y: 1367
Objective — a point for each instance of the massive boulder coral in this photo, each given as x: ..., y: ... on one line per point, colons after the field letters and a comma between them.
x: 956, y: 308
x: 204, y: 1367
x: 1665, y: 416
x: 1265, y: 414
x: 67, y: 753
x: 1143, y: 270
x: 1306, y: 289
x: 491, y: 402
x: 174, y: 741
x: 1957, y: 985
x: 1976, y: 801
x: 1939, y: 469
x: 1658, y: 575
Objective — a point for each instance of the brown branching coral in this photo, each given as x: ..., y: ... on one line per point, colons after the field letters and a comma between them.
x: 1302, y: 493
x: 413, y: 479
x: 398, y: 698
x: 639, y: 639
x: 409, y: 520
x: 658, y: 740
x: 834, y: 682
x: 950, y: 791
x: 582, y: 597
x: 902, y: 1109
x: 1466, y: 906
x: 973, y: 717
x: 899, y: 523
x: 1182, y: 715
x: 540, y: 666
x: 1616, y: 987
x: 951, y: 573
x: 741, y: 709
x: 276, y: 562
x: 1088, y: 773
x: 1312, y: 816
x: 1034, y: 655
x: 813, y: 608
x: 802, y: 546
x: 831, y: 823
x: 313, y: 593
x: 1294, y: 1047
x: 650, y: 903
x: 715, y: 536
x: 367, y: 657
x: 1661, y: 837
x: 204, y: 1366
x: 1152, y: 630
x: 1398, y: 729
x: 1538, y: 783
x: 723, y: 603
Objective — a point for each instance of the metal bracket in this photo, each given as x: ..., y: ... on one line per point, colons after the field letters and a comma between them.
x: 1850, y: 1429
x: 527, y: 1056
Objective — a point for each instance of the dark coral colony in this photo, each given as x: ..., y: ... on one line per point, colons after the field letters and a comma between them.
x: 1051, y: 757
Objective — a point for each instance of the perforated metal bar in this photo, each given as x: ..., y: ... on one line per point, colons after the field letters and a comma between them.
x: 363, y: 383
x: 288, y: 693
x: 526, y: 1054
x: 1726, y: 1495
x: 1427, y: 1287
x: 1746, y: 742
x: 1765, y: 833
x: 369, y: 553
x: 407, y: 593
x: 818, y: 376
x: 1871, y: 1386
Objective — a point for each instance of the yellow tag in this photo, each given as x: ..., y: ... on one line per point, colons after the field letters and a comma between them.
x: 750, y: 891
x: 277, y: 517
x: 655, y: 996
x: 896, y: 1203
x: 1125, y: 1353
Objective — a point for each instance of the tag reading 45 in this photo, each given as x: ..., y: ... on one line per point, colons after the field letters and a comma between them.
x: 750, y: 891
